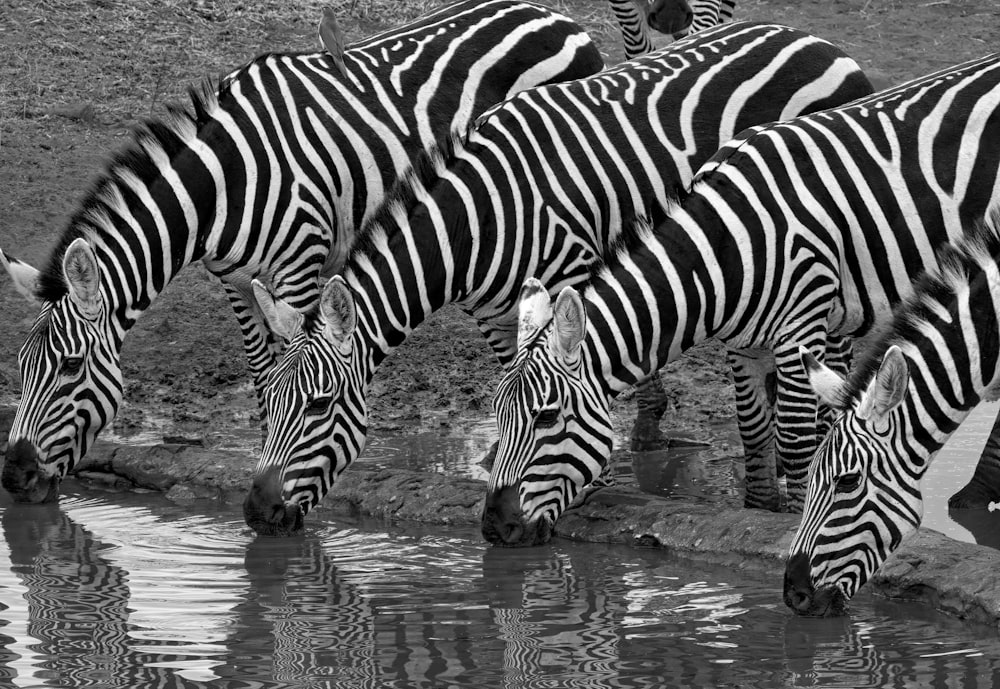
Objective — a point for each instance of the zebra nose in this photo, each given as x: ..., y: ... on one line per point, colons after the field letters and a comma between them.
x: 23, y: 477
x: 799, y: 591
x: 669, y: 18
x: 265, y: 509
x: 503, y: 521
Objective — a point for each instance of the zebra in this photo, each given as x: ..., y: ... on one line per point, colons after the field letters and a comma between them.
x: 516, y: 196
x: 936, y: 360
x: 267, y: 179
x: 794, y: 232
x: 676, y: 18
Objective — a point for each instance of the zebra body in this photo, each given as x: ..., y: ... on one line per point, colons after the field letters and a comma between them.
x: 678, y: 18
x: 539, y: 187
x: 793, y: 232
x: 936, y: 361
x: 675, y: 18
x: 268, y: 179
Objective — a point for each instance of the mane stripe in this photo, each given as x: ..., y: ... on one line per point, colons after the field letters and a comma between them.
x: 97, y: 210
x: 934, y: 292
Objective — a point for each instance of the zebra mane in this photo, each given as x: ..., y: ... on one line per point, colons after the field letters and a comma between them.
x: 635, y: 231
x: 933, y: 294
x: 93, y: 217
x: 425, y: 169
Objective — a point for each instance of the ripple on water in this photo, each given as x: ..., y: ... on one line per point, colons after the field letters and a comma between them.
x: 136, y: 588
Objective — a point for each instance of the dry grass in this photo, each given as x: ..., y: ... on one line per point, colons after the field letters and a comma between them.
x: 127, y: 57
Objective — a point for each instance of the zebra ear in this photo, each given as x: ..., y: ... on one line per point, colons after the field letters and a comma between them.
x: 534, y: 310
x: 25, y: 277
x: 339, y: 312
x: 825, y: 382
x: 83, y: 277
x: 886, y: 390
x: 281, y: 318
x: 570, y: 324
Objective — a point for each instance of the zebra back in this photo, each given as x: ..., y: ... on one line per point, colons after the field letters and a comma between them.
x: 540, y: 186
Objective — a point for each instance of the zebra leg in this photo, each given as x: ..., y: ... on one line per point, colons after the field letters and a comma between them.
x: 754, y: 379
x: 984, y: 486
x: 261, y: 348
x: 651, y: 399
x: 796, y: 413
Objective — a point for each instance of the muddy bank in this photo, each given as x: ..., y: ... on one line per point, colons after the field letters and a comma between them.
x: 957, y: 578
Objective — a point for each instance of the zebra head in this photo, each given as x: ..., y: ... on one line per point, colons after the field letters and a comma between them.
x: 553, y: 418
x: 668, y: 16
x: 71, y: 378
x: 861, y: 501
x: 316, y: 410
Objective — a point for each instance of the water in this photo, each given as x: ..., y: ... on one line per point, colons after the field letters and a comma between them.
x: 950, y: 471
x: 118, y: 590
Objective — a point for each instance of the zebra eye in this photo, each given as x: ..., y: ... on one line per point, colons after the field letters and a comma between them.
x: 319, y: 405
x: 71, y: 365
x: 547, y: 418
x: 848, y: 483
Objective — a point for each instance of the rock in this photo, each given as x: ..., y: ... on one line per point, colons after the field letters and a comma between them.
x: 160, y: 467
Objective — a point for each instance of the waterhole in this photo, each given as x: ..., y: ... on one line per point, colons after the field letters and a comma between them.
x: 112, y: 590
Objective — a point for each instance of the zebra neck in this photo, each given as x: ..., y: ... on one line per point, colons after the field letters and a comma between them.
x: 950, y: 335
x: 668, y: 288
x: 148, y: 219
x: 405, y: 267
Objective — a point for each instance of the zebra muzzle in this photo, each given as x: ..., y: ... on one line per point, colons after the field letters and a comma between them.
x: 504, y: 525
x: 23, y: 475
x: 266, y: 511
x: 805, y: 599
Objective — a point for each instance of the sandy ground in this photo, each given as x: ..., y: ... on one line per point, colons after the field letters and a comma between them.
x: 76, y: 75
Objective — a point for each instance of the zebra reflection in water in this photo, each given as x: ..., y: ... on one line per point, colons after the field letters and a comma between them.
x: 309, y: 612
x: 332, y: 624
x: 78, y: 613
x: 848, y: 653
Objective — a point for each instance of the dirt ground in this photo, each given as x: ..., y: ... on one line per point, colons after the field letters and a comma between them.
x: 75, y: 75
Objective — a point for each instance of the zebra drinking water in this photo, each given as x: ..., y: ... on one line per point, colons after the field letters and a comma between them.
x: 267, y: 179
x: 540, y: 186
x: 939, y: 358
x: 794, y: 232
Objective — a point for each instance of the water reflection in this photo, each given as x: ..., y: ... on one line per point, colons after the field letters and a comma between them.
x: 900, y: 646
x: 554, y: 623
x: 300, y: 622
x: 77, y: 617
x: 687, y: 470
x: 132, y: 591
x: 333, y: 626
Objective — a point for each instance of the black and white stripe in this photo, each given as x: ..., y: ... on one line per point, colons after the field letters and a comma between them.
x: 267, y: 179
x: 675, y: 18
x: 794, y: 232
x: 936, y: 361
x: 539, y: 187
